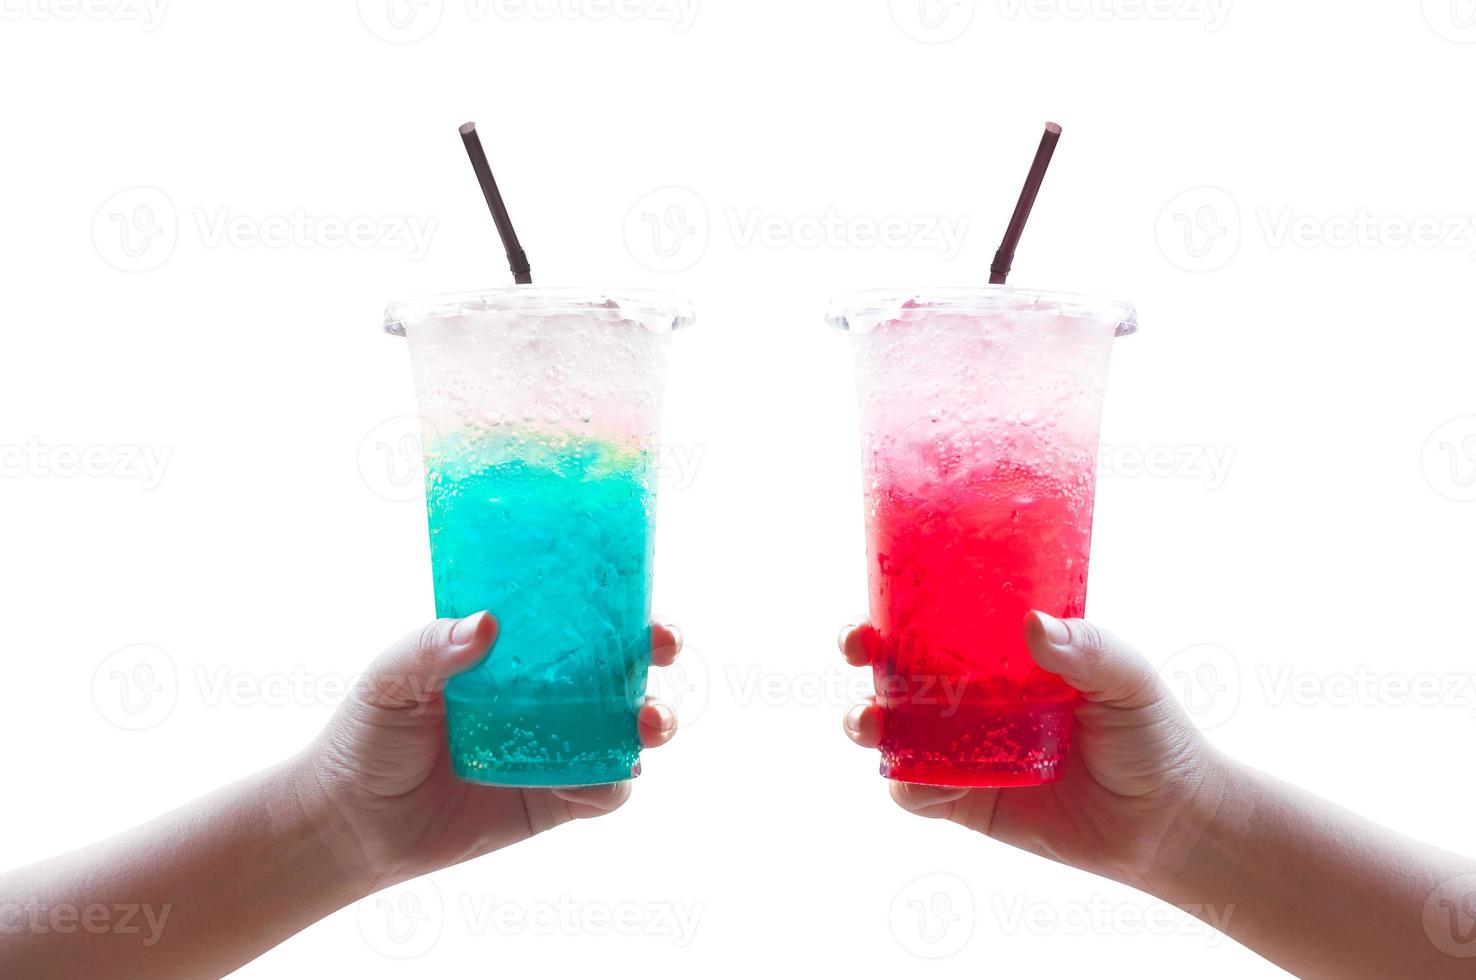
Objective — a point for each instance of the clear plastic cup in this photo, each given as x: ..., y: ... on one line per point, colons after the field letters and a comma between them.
x: 980, y: 414
x: 540, y: 413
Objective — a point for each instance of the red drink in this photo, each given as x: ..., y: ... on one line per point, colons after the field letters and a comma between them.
x: 979, y: 420
x: 953, y: 574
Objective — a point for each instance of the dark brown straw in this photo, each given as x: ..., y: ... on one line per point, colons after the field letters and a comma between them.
x: 1005, y: 257
x: 517, y: 259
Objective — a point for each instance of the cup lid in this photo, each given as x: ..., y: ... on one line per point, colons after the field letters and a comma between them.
x: 861, y: 310
x: 657, y: 311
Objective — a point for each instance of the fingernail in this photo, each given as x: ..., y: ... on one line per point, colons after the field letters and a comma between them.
x: 845, y: 631
x: 852, y: 721
x: 665, y: 719
x: 466, y: 629
x: 1055, y: 631
x: 676, y: 635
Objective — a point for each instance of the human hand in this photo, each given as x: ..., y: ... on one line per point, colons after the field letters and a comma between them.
x: 381, y: 770
x: 1138, y: 785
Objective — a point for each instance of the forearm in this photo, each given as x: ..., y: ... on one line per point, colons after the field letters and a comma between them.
x: 1315, y: 889
x: 197, y: 892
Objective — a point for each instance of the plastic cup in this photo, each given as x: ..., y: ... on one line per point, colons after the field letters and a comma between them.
x: 980, y: 412
x: 540, y: 412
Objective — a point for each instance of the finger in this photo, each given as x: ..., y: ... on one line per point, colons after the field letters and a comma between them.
x: 927, y: 801
x: 859, y: 643
x: 593, y: 801
x: 414, y: 670
x: 666, y: 643
x: 1099, y: 665
x: 656, y: 724
x: 863, y: 723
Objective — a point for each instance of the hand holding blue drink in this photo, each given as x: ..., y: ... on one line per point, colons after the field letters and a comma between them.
x: 541, y: 410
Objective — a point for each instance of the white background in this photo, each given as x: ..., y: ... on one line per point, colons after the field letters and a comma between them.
x: 1215, y: 158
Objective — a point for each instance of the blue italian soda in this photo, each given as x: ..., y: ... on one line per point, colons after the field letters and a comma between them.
x: 540, y: 418
x: 554, y: 535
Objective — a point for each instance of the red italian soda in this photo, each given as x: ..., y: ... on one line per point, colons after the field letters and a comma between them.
x: 980, y: 415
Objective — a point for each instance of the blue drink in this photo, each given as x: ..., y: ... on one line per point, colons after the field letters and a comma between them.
x: 555, y: 537
x: 540, y: 411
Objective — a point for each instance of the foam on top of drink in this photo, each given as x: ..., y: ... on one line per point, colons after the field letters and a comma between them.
x: 955, y: 385
x: 540, y: 360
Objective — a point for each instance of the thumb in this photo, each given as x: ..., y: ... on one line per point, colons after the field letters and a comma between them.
x: 415, y: 669
x: 1104, y: 669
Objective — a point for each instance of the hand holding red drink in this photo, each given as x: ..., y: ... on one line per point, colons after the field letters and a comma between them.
x: 980, y: 410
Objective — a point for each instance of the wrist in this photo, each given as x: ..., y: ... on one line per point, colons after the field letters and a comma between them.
x: 334, y: 846
x: 1202, y: 845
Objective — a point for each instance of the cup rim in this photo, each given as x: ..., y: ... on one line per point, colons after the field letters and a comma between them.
x: 659, y: 311
x: 869, y: 303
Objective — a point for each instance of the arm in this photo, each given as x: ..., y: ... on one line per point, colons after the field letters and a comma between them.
x: 1147, y: 802
x: 372, y: 802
